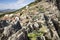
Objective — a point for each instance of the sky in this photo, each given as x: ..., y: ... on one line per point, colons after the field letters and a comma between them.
x: 14, y: 4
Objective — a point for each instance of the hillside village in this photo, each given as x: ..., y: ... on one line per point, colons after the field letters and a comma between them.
x: 37, y: 21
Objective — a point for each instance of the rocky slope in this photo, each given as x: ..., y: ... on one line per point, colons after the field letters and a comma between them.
x: 37, y: 22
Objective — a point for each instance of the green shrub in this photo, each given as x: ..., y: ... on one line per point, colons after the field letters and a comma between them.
x: 35, y: 34
x: 41, y: 9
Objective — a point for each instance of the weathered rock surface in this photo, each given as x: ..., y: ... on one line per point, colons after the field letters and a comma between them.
x: 38, y: 22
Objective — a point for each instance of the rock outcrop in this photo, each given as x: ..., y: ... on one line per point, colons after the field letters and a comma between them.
x: 37, y: 22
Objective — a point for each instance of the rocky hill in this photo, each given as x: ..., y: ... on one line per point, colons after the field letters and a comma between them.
x: 37, y: 21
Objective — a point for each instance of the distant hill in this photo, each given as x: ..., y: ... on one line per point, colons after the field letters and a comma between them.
x: 7, y: 10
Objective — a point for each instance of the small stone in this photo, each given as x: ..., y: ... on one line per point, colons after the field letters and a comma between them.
x: 36, y: 24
